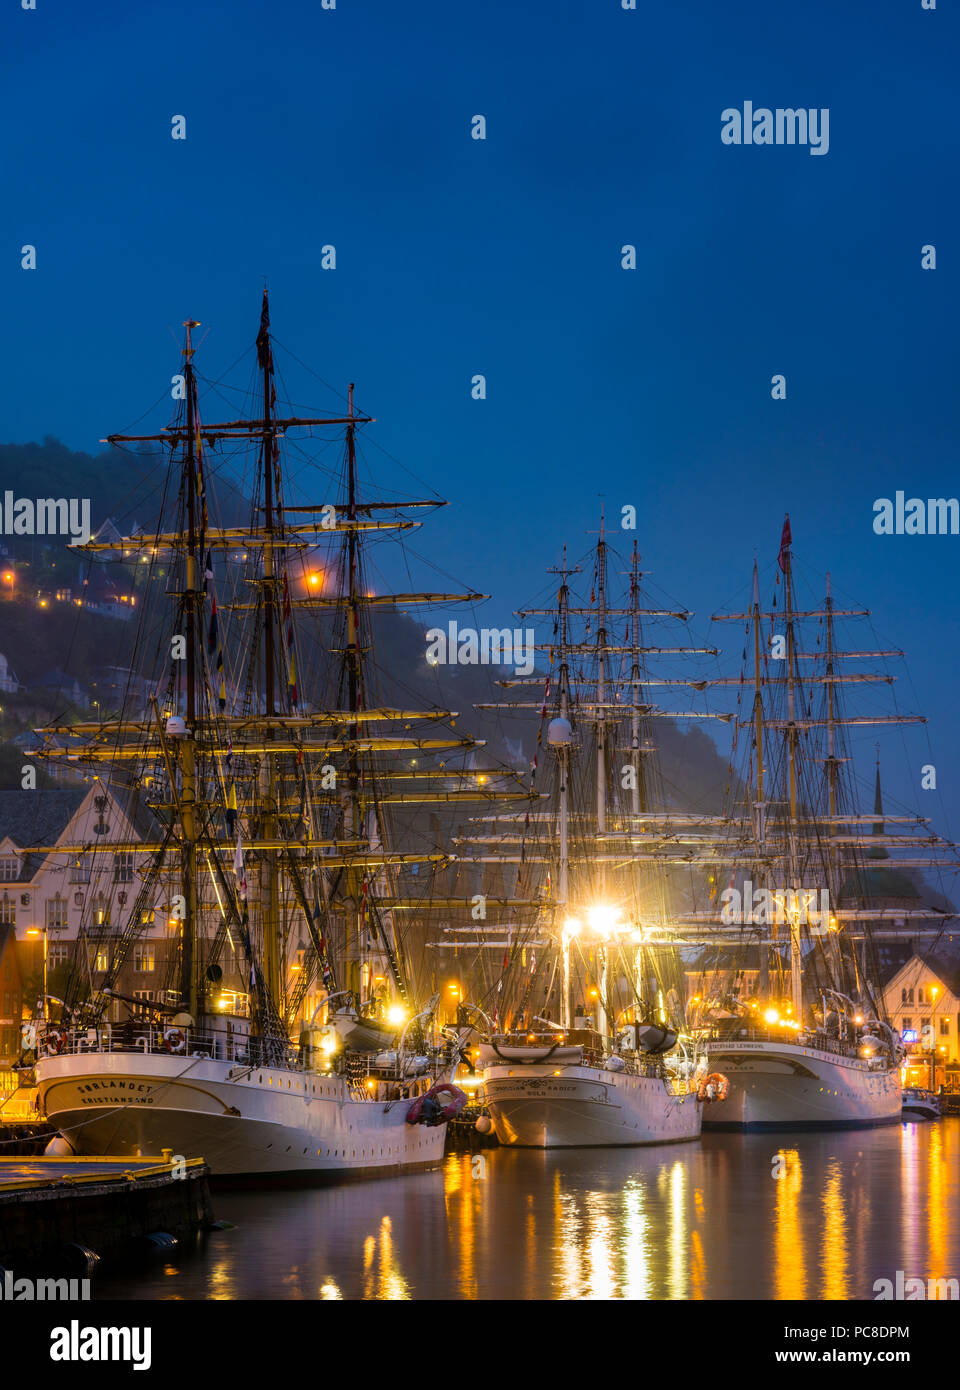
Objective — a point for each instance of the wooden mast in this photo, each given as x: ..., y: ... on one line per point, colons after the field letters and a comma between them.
x: 353, y: 813
x: 269, y: 896
x: 188, y: 766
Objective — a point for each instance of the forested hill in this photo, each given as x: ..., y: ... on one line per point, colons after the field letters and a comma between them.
x: 40, y: 636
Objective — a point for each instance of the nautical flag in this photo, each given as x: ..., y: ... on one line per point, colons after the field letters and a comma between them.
x: 239, y: 868
x: 326, y: 971
x: 264, y: 355
x: 214, y: 630
x: 198, y: 450
x: 785, y: 540
x: 231, y: 809
x: 288, y: 638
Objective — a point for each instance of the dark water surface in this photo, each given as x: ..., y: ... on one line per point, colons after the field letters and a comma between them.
x: 684, y: 1221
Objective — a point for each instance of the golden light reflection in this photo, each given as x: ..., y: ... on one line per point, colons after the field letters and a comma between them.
x: 462, y: 1199
x: 834, y: 1256
x: 789, y: 1271
x: 637, y: 1280
x: 601, y: 1279
x: 567, y: 1226
x: 329, y: 1290
x: 936, y: 1201
x: 677, y: 1240
x: 911, y: 1213
x: 221, y: 1281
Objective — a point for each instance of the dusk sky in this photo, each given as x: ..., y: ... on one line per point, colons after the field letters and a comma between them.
x: 502, y: 257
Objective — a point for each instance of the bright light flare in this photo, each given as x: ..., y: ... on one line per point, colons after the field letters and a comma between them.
x: 604, y: 920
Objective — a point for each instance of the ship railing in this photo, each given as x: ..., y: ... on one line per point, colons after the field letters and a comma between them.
x: 218, y: 1045
x: 823, y: 1042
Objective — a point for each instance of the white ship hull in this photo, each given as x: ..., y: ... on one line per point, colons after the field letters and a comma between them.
x: 268, y: 1122
x: 785, y: 1086
x: 532, y: 1107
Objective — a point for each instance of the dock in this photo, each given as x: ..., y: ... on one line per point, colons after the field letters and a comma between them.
x: 67, y: 1215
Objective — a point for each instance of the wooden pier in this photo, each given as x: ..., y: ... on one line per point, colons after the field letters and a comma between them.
x: 55, y: 1212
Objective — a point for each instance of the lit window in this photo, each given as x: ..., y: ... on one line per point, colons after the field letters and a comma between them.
x: 56, y: 913
x: 143, y: 960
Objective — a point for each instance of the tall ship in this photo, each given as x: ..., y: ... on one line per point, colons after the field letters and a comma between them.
x: 584, y: 1041
x: 293, y: 1035
x: 789, y: 1005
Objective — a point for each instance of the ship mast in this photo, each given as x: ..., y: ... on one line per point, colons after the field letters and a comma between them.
x: 269, y: 896
x: 636, y: 802
x: 759, y: 806
x: 563, y: 758
x: 352, y: 812
x: 189, y: 992
x: 602, y: 1001
x: 796, y: 956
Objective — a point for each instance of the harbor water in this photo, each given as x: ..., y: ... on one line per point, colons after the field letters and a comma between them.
x: 738, y: 1216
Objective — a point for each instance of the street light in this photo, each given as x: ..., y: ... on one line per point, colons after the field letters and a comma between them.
x: 36, y: 931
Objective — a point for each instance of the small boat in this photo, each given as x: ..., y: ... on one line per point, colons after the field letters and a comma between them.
x: 918, y: 1104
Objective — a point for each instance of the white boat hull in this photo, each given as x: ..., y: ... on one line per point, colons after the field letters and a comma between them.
x: 585, y: 1107
x: 786, y: 1086
x: 269, y: 1122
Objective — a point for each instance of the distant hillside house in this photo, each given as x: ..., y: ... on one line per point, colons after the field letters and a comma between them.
x: 102, y: 595
x: 8, y: 681
x: 66, y: 686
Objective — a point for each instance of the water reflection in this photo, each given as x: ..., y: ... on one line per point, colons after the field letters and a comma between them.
x: 818, y: 1216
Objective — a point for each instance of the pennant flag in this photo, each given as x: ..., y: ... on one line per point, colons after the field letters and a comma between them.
x: 239, y: 869
x: 785, y: 540
x: 213, y: 632
x: 264, y: 355
x: 289, y: 640
x: 231, y: 809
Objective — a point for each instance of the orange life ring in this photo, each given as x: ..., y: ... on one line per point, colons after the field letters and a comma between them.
x: 54, y: 1042
x: 720, y: 1084
x: 173, y: 1040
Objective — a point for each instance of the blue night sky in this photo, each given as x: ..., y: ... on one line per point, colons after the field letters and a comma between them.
x: 502, y: 257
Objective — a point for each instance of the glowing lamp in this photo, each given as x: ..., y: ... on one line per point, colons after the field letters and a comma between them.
x: 396, y: 1015
x: 771, y: 1016
x: 603, y: 919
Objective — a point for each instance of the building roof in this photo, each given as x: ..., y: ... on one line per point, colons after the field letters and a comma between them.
x: 36, y: 818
